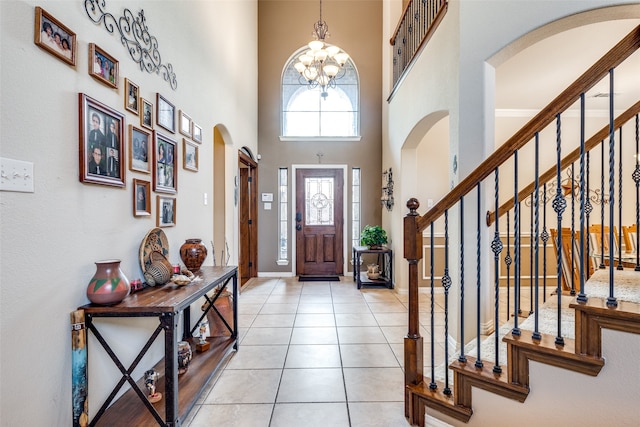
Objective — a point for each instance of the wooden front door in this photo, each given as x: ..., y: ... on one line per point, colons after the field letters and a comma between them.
x: 319, y: 222
x: 248, y: 217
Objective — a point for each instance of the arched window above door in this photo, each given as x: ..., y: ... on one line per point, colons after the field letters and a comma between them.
x: 308, y: 114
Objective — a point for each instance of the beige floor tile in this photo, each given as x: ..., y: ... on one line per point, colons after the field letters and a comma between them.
x: 315, y: 299
x: 311, y: 385
x: 283, y: 299
x: 252, y: 299
x: 316, y: 288
x: 372, y: 295
x: 242, y: 415
x: 314, y: 335
x: 267, y: 336
x: 245, y: 386
x: 392, y: 319
x: 246, y: 320
x: 377, y: 414
x: 308, y: 320
x: 259, y: 357
x: 361, y: 335
x: 387, y: 307
x: 348, y: 298
x: 249, y: 308
x: 374, y: 384
x: 357, y: 307
x: 313, y: 356
x: 310, y: 415
x: 315, y: 308
x: 271, y: 308
x: 367, y: 356
x: 355, y: 319
x: 273, y: 320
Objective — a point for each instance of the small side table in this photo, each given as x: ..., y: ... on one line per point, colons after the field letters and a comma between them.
x: 385, y: 261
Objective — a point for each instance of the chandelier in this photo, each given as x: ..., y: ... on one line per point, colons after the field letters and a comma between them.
x: 322, y: 64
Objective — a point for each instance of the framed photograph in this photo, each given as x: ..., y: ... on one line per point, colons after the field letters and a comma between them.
x: 165, y: 114
x: 141, y: 198
x: 139, y: 149
x: 54, y: 37
x: 185, y: 124
x: 146, y: 118
x: 165, y: 174
x: 102, y: 132
x: 189, y: 155
x: 166, y: 211
x: 131, y: 96
x: 102, y: 66
x: 197, y: 133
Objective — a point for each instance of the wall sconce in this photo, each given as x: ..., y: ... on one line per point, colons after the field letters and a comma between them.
x: 387, y: 190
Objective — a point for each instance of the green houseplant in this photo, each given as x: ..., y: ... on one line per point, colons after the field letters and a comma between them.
x: 373, y: 236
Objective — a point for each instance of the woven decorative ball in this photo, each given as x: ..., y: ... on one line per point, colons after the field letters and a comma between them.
x: 158, y: 273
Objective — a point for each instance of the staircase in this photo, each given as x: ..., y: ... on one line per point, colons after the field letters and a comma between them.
x: 546, y: 374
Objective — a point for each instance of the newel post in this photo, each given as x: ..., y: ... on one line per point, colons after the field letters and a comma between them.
x: 413, y: 349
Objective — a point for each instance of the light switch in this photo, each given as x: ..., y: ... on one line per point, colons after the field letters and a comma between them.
x: 16, y: 175
x: 205, y: 199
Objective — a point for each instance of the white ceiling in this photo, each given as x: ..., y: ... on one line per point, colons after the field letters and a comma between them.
x: 533, y: 77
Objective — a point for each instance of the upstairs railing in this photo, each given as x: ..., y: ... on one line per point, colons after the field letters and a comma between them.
x: 419, y: 20
x: 488, y: 179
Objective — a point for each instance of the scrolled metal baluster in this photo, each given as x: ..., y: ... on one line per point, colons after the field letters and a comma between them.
x: 478, y: 363
x: 496, y: 248
x: 583, y: 202
x: 508, y: 261
x: 611, y: 299
x: 636, y: 179
x: 545, y: 238
x: 516, y: 249
x: 619, y: 267
x: 559, y: 205
x: 432, y: 385
x: 536, y: 228
x: 462, y: 358
x: 446, y: 284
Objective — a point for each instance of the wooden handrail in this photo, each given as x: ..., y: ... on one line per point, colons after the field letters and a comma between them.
x: 586, y: 81
x: 570, y: 158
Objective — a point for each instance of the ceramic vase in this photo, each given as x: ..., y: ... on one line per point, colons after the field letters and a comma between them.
x: 193, y: 253
x: 184, y: 356
x: 109, y: 285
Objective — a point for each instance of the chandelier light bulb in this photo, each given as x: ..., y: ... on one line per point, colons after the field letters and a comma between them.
x: 316, y: 45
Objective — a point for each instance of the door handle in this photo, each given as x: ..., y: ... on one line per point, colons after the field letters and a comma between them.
x: 298, y: 217
x: 298, y: 227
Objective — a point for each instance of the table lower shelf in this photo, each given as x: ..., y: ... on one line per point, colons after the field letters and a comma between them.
x: 365, y: 281
x: 128, y: 410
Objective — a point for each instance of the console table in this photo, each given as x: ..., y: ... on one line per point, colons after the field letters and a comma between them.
x: 385, y: 261
x: 179, y: 394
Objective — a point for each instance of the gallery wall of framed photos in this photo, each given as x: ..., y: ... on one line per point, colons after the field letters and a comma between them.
x: 107, y: 147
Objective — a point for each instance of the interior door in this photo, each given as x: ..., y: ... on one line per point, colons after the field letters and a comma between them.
x: 248, y: 217
x: 319, y: 222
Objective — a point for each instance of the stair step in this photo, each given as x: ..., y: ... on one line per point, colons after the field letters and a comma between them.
x: 420, y: 395
x: 521, y: 349
x: 467, y: 375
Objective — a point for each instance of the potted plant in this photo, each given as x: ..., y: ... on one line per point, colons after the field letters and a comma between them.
x: 373, y: 236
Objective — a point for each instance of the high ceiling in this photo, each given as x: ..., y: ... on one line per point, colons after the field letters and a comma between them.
x: 532, y: 78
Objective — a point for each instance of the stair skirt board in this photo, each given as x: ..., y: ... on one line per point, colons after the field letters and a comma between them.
x: 318, y: 278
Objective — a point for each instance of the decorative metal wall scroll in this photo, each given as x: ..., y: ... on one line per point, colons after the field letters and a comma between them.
x: 134, y: 35
x: 569, y: 185
x: 387, y: 189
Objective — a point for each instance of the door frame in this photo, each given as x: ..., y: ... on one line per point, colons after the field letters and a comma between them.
x: 250, y: 256
x: 346, y: 248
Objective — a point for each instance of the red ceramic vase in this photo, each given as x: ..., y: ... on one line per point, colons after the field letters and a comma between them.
x: 193, y: 253
x: 109, y: 285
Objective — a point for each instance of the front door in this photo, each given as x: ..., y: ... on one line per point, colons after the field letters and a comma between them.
x: 319, y: 220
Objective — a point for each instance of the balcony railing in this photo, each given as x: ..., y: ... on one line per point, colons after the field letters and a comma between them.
x: 419, y: 21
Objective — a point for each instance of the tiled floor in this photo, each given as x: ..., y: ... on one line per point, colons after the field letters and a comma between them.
x: 313, y: 354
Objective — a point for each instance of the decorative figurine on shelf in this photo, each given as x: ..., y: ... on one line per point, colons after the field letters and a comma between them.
x: 203, y: 344
x: 150, y: 379
x: 184, y: 356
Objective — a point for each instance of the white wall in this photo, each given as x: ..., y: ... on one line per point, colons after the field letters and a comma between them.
x: 52, y: 237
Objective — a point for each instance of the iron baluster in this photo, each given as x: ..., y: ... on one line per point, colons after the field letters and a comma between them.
x: 507, y: 261
x: 602, y: 206
x: 620, y: 201
x: 583, y: 192
x: 559, y: 205
x: 478, y: 363
x: 573, y: 230
x: 446, y: 284
x: 516, y: 245
x: 536, y: 194
x: 462, y: 358
x: 531, y: 256
x: 611, y: 300
x: 432, y: 384
x: 496, y: 247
